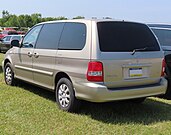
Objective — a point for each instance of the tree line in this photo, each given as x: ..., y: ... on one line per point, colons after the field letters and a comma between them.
x: 12, y: 20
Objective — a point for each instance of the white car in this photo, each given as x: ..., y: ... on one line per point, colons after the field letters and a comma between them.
x: 5, y: 43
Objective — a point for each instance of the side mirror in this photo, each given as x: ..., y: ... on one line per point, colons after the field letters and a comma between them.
x: 15, y: 43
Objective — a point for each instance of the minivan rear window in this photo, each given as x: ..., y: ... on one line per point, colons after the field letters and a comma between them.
x: 125, y: 37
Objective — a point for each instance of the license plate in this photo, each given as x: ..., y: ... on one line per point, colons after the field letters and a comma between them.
x: 135, y: 72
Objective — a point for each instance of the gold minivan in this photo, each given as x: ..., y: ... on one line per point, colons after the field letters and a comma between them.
x: 93, y: 60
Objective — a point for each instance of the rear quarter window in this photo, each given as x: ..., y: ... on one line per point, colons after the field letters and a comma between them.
x: 73, y: 36
x: 125, y: 37
x: 164, y: 36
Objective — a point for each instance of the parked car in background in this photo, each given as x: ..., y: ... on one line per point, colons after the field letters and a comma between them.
x: 21, y: 32
x: 93, y: 60
x: 7, y: 32
x: 5, y: 43
x: 163, y: 33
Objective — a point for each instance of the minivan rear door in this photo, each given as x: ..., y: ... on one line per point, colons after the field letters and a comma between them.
x: 130, y: 54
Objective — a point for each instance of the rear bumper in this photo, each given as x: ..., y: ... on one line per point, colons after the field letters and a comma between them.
x: 99, y: 93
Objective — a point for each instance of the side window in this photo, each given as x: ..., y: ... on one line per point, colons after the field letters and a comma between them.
x: 31, y: 37
x: 16, y: 38
x: 8, y: 38
x: 73, y: 37
x: 4, y: 39
x: 163, y: 36
x: 49, y: 36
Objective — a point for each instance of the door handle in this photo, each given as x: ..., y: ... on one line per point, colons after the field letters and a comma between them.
x: 30, y: 54
x: 36, y: 55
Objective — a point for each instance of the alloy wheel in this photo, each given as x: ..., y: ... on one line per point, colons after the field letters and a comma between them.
x: 8, y: 75
x: 64, y: 95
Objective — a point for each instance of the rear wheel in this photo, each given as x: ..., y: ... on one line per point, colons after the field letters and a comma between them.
x: 9, y: 74
x: 65, y: 96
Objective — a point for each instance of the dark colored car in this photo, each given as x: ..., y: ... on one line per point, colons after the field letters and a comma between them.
x: 163, y: 33
x: 5, y: 43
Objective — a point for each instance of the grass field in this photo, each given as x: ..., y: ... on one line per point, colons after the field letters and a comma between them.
x: 29, y: 110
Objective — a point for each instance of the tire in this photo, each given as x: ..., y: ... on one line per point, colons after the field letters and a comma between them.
x: 167, y: 95
x: 138, y: 100
x: 65, y: 96
x: 9, y: 74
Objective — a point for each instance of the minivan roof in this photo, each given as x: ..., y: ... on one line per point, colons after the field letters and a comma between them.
x: 87, y: 20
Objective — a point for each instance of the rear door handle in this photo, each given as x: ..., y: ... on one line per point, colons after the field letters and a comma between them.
x: 30, y: 54
x: 36, y: 55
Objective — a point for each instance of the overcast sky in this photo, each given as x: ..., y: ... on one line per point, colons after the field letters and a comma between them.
x: 135, y: 10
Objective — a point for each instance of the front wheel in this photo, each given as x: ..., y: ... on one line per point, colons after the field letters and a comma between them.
x: 9, y: 74
x: 65, y: 96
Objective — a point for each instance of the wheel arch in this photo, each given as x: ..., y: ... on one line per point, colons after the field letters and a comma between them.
x: 6, y: 61
x: 60, y: 75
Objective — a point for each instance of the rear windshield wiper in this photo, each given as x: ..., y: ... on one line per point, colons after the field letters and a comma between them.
x: 139, y: 49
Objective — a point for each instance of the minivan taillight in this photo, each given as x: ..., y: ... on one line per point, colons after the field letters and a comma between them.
x: 163, y: 67
x: 95, y: 71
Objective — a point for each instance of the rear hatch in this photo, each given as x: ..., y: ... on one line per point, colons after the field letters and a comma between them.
x: 130, y: 54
